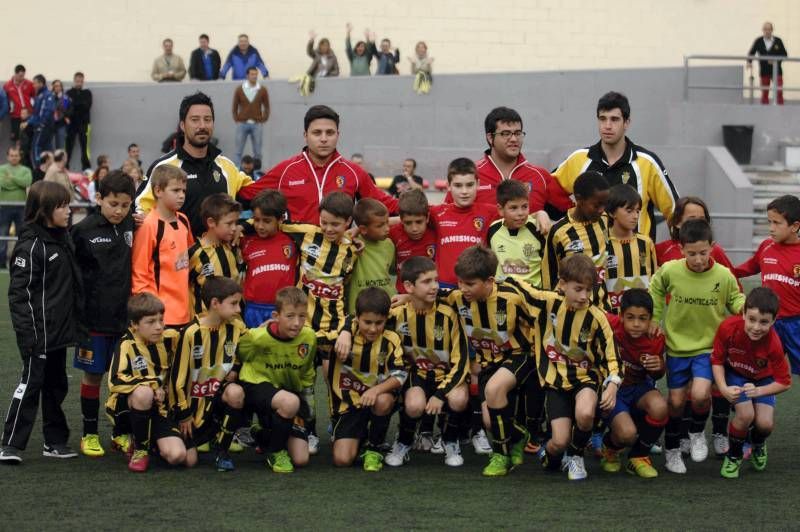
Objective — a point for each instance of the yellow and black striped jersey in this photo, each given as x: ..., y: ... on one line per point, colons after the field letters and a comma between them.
x: 434, y: 344
x: 498, y: 327
x: 631, y: 262
x: 138, y: 363
x: 368, y: 364
x: 324, y: 269
x: 569, y: 237
x: 202, y: 361
x: 206, y: 260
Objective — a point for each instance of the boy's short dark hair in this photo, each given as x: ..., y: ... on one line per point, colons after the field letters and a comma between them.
x: 614, y: 100
x: 413, y: 202
x: 40, y: 78
x: 319, y: 112
x: 500, y: 114
x: 588, y: 183
x: 142, y: 305
x: 44, y: 197
x: 787, y: 206
x: 338, y: 204
x: 695, y: 231
x: 218, y: 205
x: 414, y: 267
x: 375, y: 300
x: 271, y: 203
x: 637, y: 297
x: 476, y: 262
x: 366, y: 209
x: 165, y: 173
x: 290, y: 295
x: 578, y: 268
x: 509, y: 190
x: 461, y: 166
x: 764, y: 300
x: 132, y: 145
x: 203, y: 36
x: 78, y: 74
x: 19, y: 68
x: 116, y: 182
x: 219, y: 288
x: 198, y: 98
x: 621, y: 196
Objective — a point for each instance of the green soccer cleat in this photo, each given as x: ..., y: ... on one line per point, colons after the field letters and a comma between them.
x: 204, y: 448
x: 759, y: 457
x: 90, y: 446
x: 121, y: 443
x: 499, y: 465
x: 373, y: 461
x: 730, y: 467
x: 642, y: 467
x: 609, y: 460
x: 280, y: 462
x: 236, y: 447
x: 518, y: 449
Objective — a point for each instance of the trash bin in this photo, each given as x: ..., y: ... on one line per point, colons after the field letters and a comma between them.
x: 739, y: 141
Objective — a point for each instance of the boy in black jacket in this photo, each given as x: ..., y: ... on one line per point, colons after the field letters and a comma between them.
x: 103, y: 254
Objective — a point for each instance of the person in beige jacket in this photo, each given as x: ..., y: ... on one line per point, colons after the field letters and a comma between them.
x: 57, y: 172
x: 169, y: 66
x: 250, y: 112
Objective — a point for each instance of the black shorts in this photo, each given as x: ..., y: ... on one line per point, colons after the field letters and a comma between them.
x: 352, y: 424
x: 161, y: 426
x: 561, y: 403
x: 428, y: 385
x: 258, y: 400
x: 521, y: 367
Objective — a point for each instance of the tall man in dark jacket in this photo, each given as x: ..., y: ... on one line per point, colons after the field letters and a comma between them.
x: 768, y: 45
x: 204, y: 63
x: 79, y: 120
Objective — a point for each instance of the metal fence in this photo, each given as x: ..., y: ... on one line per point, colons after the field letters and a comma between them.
x: 774, y: 59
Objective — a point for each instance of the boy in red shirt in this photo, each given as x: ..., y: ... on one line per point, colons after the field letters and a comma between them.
x: 412, y: 237
x: 750, y: 369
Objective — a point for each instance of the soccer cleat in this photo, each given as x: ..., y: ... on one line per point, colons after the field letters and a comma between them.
x: 313, y: 444
x: 685, y: 446
x: 674, y: 461
x: 452, y: 454
x: 121, y: 443
x: 204, y: 448
x: 10, y: 455
x: 610, y: 460
x: 58, y: 450
x: 657, y: 449
x: 699, y: 446
x: 424, y: 442
x: 245, y: 437
x: 481, y: 443
x: 399, y: 455
x: 759, y: 457
x: 373, y: 461
x: 597, y: 444
x: 576, y: 469
x: 642, y: 467
x: 235, y: 447
x: 532, y: 447
x: 280, y: 462
x: 139, y: 461
x: 720, y: 444
x: 90, y: 446
x: 438, y: 445
x: 498, y: 466
x: 223, y: 462
x: 730, y: 467
x: 518, y: 449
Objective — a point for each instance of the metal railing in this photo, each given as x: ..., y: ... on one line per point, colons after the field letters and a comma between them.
x: 774, y: 59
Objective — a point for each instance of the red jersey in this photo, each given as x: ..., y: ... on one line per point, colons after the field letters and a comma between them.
x: 458, y: 228
x: 752, y: 360
x: 542, y: 187
x: 19, y: 96
x: 271, y: 265
x: 631, y: 351
x: 405, y: 248
x: 779, y: 265
x: 304, y: 185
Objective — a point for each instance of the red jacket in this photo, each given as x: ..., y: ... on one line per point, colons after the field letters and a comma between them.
x: 304, y: 185
x: 541, y: 185
x: 19, y: 96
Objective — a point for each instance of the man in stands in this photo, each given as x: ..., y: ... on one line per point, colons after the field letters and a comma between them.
x: 79, y: 119
x: 242, y: 57
x: 169, y: 66
x: 20, y: 94
x: 204, y: 62
x: 768, y: 45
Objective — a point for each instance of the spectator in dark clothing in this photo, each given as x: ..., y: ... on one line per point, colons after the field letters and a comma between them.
x: 242, y: 57
x: 768, y: 45
x: 324, y: 63
x: 20, y: 94
x: 407, y: 180
x: 3, y: 104
x: 387, y: 60
x: 134, y: 153
x: 62, y: 105
x: 42, y: 119
x: 79, y: 119
x: 248, y: 166
x: 204, y: 64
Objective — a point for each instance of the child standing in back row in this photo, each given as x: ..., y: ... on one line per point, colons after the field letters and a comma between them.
x: 412, y: 237
x: 375, y: 264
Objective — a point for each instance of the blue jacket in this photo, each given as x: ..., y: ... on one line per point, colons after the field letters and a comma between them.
x: 241, y: 62
x: 44, y: 107
x: 3, y: 104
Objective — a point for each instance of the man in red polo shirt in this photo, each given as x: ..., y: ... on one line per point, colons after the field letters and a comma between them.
x: 317, y: 171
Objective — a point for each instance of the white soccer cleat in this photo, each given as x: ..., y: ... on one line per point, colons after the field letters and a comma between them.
x: 438, y: 445
x: 699, y: 446
x: 424, y: 442
x: 452, y: 454
x: 576, y: 469
x: 481, y: 443
x: 674, y: 461
x: 399, y: 455
x: 313, y: 444
x: 720, y: 444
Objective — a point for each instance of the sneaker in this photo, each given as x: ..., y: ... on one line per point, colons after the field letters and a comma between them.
x: 204, y: 448
x: 685, y: 446
x: 730, y: 467
x: 139, y: 461
x: 223, y: 462
x: 438, y: 445
x: 399, y: 455
x: 424, y: 442
x: 313, y: 444
x: 481, y: 443
x: 518, y: 449
x: 576, y: 470
x: 674, y: 461
x: 121, y: 443
x: 747, y: 451
x: 280, y: 462
x: 759, y: 457
x: 610, y: 460
x: 597, y: 444
x: 533, y: 447
x: 720, y: 444
x: 90, y: 446
x: 58, y: 450
x: 236, y: 446
x: 373, y: 461
x: 498, y: 466
x: 245, y: 437
x: 642, y: 467
x: 699, y: 446
x: 10, y: 455
x: 452, y: 454
x: 657, y: 448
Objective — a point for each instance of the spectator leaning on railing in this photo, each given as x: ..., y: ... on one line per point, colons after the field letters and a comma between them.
x: 168, y: 66
x: 14, y: 180
x: 204, y: 64
x: 241, y: 57
x: 768, y: 45
x: 324, y: 63
x: 360, y: 57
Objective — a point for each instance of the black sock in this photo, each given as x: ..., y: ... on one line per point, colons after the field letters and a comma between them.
x: 698, y: 423
x: 426, y: 423
x: 672, y: 433
x: 720, y: 411
x: 406, y: 429
x: 476, y: 419
x: 501, y: 430
x: 649, y: 432
x: 279, y: 434
x: 686, y: 420
x: 736, y: 442
x: 757, y: 438
x: 579, y: 440
x: 454, y: 422
x: 231, y: 420
x: 140, y: 423
x: 376, y: 432
x: 90, y: 407
x: 534, y: 406
x: 609, y: 442
x: 551, y: 462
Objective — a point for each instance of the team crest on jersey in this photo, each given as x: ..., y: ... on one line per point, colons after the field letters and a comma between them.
x: 528, y: 250
x: 139, y: 363
x: 128, y: 236
x: 402, y: 329
x: 313, y: 250
x: 626, y: 176
x: 574, y: 246
x: 611, y: 261
x: 761, y: 362
x: 431, y: 251
x: 287, y: 251
x: 500, y: 316
x: 230, y: 349
x: 529, y: 187
x: 197, y: 352
x: 216, y: 175
x: 340, y: 181
x: 553, y: 319
x: 583, y: 337
x: 207, y: 270
x: 796, y: 270
x: 716, y: 288
x: 464, y: 312
x: 302, y: 350
x: 438, y: 333
x: 478, y: 222
x: 19, y: 261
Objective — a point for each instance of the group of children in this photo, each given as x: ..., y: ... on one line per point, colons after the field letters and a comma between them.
x: 537, y: 336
